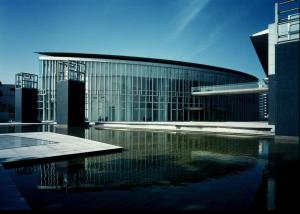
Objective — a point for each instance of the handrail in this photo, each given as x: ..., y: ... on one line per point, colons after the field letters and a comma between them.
x: 285, y: 2
x: 247, y: 85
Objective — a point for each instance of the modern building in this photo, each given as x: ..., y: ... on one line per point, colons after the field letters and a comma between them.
x: 123, y: 88
x: 7, y: 102
x: 263, y: 107
x: 278, y: 50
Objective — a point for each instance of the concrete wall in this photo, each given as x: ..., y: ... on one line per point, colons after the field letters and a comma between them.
x: 76, y: 103
x: 62, y: 102
x: 70, y: 107
x: 272, y: 40
x: 18, y: 105
x: 287, y: 93
x: 26, y: 105
x: 7, y: 102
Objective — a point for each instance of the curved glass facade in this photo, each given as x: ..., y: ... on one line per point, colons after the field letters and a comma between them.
x: 129, y: 90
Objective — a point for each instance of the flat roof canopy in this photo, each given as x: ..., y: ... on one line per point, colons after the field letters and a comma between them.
x: 144, y: 59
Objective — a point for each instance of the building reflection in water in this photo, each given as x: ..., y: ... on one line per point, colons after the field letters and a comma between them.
x: 279, y: 183
x: 164, y: 159
x: 150, y: 158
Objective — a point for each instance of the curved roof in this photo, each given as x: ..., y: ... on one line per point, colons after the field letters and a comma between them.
x: 144, y: 59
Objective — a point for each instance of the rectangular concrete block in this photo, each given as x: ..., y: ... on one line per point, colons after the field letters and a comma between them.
x: 26, y: 105
x: 70, y: 107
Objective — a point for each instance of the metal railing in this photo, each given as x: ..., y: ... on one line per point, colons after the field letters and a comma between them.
x: 233, y: 86
x: 287, y: 18
x: 26, y: 80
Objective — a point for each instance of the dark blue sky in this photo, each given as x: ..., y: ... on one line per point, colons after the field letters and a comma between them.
x: 214, y: 32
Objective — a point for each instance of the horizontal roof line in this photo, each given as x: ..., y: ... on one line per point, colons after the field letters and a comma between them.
x: 144, y: 59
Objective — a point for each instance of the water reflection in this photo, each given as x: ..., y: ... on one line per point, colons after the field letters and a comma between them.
x: 281, y: 177
x: 249, y: 173
x: 150, y: 159
x: 22, y: 128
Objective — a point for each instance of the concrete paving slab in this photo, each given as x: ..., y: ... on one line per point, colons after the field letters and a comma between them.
x: 60, y: 146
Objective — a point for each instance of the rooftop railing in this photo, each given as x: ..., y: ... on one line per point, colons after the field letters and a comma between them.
x: 287, y: 18
x: 233, y: 86
x: 26, y: 80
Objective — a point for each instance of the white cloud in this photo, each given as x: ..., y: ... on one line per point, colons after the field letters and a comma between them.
x: 214, y: 34
x: 188, y: 14
x: 211, y: 38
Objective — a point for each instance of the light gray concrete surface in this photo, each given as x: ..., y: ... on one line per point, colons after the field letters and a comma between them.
x: 57, y: 145
x: 238, y: 128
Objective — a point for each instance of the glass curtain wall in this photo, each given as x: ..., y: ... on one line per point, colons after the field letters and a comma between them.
x: 136, y: 91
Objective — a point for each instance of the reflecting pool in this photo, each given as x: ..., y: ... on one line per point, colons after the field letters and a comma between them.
x: 165, y: 171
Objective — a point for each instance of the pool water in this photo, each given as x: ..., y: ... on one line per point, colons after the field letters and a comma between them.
x: 166, y: 171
